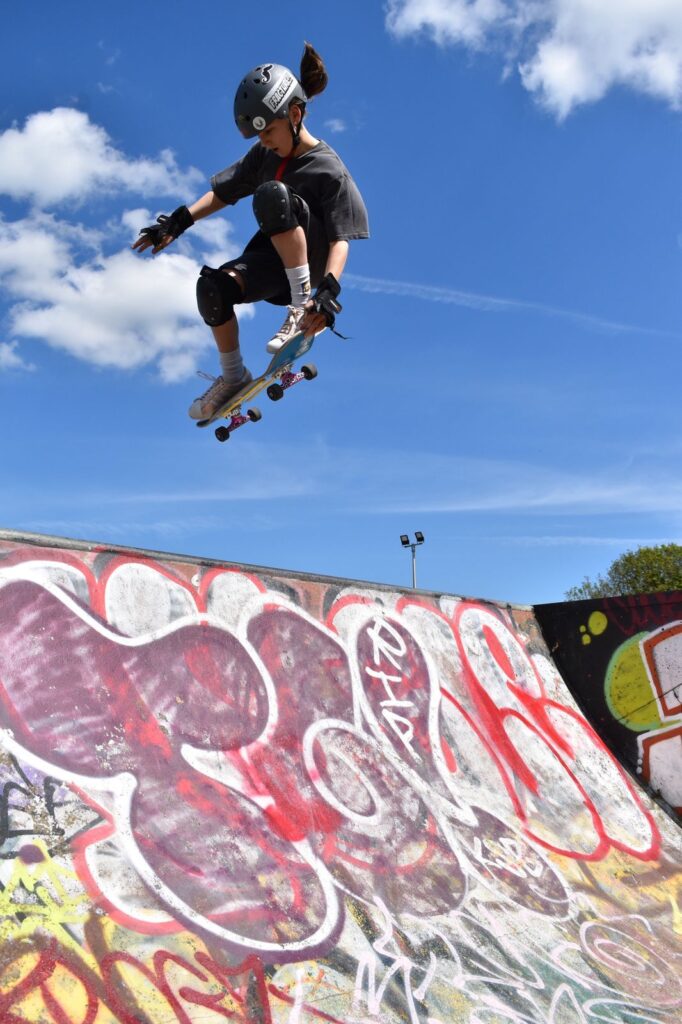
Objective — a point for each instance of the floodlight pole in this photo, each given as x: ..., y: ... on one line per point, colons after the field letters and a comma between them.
x: 406, y: 543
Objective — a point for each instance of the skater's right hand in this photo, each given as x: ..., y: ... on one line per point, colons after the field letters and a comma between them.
x: 144, y: 242
x: 166, y: 230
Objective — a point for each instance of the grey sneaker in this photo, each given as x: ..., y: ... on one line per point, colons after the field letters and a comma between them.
x: 289, y: 328
x: 216, y: 395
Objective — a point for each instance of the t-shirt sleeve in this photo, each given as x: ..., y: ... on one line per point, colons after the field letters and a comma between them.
x: 239, y: 179
x: 343, y: 209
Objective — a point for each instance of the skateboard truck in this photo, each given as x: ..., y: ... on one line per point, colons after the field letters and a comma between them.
x: 237, y: 420
x: 287, y: 380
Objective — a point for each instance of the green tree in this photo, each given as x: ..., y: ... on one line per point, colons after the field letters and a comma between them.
x: 646, y: 570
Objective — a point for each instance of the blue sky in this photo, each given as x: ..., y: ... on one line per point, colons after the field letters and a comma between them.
x: 512, y: 383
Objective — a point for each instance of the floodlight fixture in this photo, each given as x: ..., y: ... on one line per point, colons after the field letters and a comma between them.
x: 407, y: 543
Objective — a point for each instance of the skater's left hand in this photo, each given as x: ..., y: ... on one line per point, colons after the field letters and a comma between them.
x: 313, y: 322
x: 321, y: 310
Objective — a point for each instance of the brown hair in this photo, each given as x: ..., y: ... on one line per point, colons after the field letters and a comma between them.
x: 313, y: 75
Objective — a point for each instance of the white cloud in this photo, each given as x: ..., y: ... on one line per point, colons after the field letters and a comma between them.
x: 120, y: 310
x: 61, y: 156
x: 568, y: 51
x: 64, y: 284
x: 214, y: 235
x: 336, y: 125
x: 447, y: 21
x: 10, y: 358
x: 211, y: 238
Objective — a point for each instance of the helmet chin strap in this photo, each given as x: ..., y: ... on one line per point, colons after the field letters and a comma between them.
x: 295, y: 132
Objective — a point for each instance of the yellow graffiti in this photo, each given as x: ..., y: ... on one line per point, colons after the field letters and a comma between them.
x: 628, y: 690
x: 62, y: 997
x: 596, y: 625
x: 677, y: 914
x: 46, y: 895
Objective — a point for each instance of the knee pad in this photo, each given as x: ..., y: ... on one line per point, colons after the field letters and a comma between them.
x: 217, y: 293
x: 276, y: 208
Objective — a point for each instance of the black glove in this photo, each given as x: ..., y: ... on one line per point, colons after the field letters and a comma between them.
x: 324, y: 299
x: 168, y: 224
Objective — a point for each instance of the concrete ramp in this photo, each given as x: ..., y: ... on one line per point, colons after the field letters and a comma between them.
x: 622, y: 659
x: 230, y: 793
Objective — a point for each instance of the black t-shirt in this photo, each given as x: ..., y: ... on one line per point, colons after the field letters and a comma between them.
x: 319, y: 177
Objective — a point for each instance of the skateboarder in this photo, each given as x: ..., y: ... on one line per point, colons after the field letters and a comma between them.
x: 307, y: 208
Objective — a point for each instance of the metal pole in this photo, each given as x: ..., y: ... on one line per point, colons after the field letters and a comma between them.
x: 414, y: 566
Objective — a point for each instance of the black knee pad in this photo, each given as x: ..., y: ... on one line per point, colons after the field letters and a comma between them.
x: 276, y: 207
x: 217, y: 293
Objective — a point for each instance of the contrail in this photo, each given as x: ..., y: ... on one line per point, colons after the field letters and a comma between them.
x: 491, y: 303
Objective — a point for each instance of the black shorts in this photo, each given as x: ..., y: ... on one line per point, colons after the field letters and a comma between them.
x: 262, y: 270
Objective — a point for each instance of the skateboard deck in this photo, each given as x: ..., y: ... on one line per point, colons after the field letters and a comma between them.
x: 277, y: 378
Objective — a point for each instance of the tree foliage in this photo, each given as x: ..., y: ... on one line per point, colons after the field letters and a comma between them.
x: 647, y: 570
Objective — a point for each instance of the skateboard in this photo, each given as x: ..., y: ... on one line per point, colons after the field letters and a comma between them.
x: 277, y: 378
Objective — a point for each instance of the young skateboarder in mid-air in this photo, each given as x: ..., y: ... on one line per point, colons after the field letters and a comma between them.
x: 307, y: 207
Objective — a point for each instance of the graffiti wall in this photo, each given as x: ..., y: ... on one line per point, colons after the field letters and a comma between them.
x: 235, y: 796
x: 622, y: 660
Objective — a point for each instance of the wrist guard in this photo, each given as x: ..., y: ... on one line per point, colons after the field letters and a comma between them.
x: 168, y: 224
x: 324, y: 299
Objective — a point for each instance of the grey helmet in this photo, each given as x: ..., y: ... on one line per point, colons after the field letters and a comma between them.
x: 264, y: 94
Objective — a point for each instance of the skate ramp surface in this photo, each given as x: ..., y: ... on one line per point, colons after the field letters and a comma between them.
x: 232, y: 793
x: 622, y: 659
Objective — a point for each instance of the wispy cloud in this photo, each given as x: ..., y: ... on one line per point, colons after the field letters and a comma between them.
x: 373, y: 481
x: 270, y: 487
x: 489, y: 487
x: 10, y: 358
x: 370, y: 482
x: 493, y: 304
x: 167, y: 530
x: 568, y: 540
x: 110, y: 57
x: 336, y: 125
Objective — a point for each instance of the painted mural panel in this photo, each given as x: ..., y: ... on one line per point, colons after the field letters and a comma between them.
x: 246, y: 796
x: 622, y: 660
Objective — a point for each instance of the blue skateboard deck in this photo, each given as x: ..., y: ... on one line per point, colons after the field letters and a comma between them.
x: 276, y: 379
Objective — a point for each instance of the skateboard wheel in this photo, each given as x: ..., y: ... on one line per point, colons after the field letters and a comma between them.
x: 309, y: 371
x: 275, y: 392
x: 254, y: 414
x: 222, y: 433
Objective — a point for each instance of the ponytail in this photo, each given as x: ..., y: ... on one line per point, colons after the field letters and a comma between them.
x: 313, y: 76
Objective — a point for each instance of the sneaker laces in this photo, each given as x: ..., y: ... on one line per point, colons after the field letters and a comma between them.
x: 217, y: 383
x: 289, y: 323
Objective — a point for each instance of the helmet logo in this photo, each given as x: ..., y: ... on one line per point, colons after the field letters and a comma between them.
x: 258, y: 123
x: 265, y: 73
x: 280, y: 92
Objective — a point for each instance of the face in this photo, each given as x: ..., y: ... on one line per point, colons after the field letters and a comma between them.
x: 277, y: 135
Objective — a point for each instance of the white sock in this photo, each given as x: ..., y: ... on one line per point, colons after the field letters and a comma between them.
x: 232, y: 366
x: 299, y: 282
